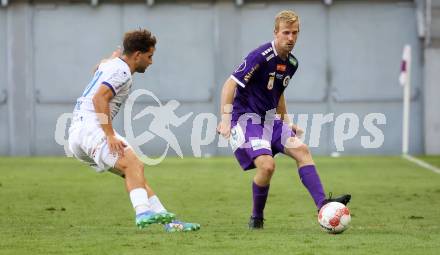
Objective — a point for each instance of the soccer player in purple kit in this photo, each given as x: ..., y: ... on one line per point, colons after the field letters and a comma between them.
x: 254, y: 117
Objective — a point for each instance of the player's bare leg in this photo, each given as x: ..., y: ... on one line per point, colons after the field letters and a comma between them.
x: 160, y: 214
x: 308, y: 173
x: 260, y: 189
x: 118, y: 172
x: 146, y: 204
x: 265, y: 168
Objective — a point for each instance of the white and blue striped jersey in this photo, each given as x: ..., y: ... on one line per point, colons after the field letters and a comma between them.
x: 116, y: 75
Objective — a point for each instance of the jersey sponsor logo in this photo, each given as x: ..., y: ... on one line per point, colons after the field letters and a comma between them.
x: 293, y: 61
x: 248, y: 76
x: 241, y: 67
x: 281, y: 68
x: 270, y: 57
x: 286, y: 81
x: 259, y: 144
x: 264, y: 53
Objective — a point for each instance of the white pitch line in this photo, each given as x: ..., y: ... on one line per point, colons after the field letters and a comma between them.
x: 422, y: 163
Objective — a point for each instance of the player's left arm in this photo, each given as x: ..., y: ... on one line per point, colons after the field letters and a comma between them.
x: 282, y: 111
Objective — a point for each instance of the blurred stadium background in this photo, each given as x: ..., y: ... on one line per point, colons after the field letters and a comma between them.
x: 349, y: 54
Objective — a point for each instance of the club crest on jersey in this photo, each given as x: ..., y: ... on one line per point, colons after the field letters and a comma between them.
x: 286, y: 81
x: 271, y: 81
x: 293, y: 61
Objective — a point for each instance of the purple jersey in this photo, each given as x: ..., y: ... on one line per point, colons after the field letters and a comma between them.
x: 262, y: 78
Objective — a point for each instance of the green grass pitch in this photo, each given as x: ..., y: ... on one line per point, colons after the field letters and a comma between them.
x: 60, y: 206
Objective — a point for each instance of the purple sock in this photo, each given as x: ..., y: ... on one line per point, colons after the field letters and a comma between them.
x: 260, y: 197
x: 311, y: 181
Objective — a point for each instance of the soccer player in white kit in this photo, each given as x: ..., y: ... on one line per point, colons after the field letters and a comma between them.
x: 93, y: 140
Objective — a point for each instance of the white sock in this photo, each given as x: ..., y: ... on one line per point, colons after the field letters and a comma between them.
x: 139, y: 200
x: 156, y: 205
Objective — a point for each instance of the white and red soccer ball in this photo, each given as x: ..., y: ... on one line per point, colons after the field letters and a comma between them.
x: 334, y: 217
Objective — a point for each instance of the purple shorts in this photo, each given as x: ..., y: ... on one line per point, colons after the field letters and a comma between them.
x: 249, y: 140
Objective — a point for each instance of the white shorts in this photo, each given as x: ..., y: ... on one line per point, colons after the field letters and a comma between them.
x: 88, y: 143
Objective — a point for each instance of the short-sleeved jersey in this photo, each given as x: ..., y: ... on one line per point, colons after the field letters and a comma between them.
x: 116, y: 75
x: 262, y: 78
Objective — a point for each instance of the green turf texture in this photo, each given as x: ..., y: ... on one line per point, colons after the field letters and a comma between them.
x: 60, y: 206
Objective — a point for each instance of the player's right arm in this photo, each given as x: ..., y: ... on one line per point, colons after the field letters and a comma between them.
x: 101, y: 101
x: 241, y: 76
x: 227, y: 98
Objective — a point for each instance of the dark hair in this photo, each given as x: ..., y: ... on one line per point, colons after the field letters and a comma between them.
x: 138, y: 40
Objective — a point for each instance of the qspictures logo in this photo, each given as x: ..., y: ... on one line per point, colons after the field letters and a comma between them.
x: 165, y: 122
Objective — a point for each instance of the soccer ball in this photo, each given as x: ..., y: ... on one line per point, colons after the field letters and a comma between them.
x: 334, y: 217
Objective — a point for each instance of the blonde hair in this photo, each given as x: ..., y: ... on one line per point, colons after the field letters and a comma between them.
x: 287, y: 16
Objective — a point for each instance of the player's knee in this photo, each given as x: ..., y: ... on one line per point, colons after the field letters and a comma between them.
x: 304, y: 149
x: 137, y: 166
x: 131, y: 164
x: 268, y: 167
x: 134, y: 171
x: 299, y: 151
x: 303, y: 155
